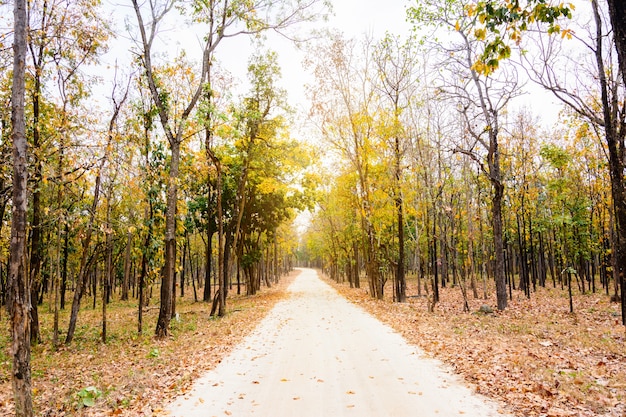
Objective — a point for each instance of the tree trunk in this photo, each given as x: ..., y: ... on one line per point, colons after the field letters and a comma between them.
x: 400, y: 273
x: 66, y: 252
x: 35, y: 237
x: 617, y: 12
x: 167, y: 276
x: 184, y: 265
x: 19, y: 298
x: 614, y: 133
x: 206, y: 296
x: 126, y: 279
x: 498, y: 244
x: 106, y: 278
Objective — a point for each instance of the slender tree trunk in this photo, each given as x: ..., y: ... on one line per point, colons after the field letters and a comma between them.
x: 498, y: 243
x: 66, y: 252
x: 144, y: 271
x: 127, y: 265
x: 108, y: 266
x: 35, y: 236
x: 19, y: 298
x: 56, y: 283
x: 357, y: 267
x: 614, y: 132
x: 400, y: 272
x: 167, y: 276
x: 183, y: 265
x: 206, y: 295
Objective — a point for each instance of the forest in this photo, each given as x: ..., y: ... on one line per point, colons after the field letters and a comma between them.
x: 482, y: 152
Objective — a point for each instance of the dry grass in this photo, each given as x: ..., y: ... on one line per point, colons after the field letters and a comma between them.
x: 135, y: 374
x: 535, y: 357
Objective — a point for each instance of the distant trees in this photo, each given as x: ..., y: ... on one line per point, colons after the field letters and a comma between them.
x: 507, y: 21
x: 487, y: 194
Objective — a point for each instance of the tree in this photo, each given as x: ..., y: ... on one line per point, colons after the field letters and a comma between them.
x: 19, y: 303
x: 220, y: 20
x: 599, y: 102
x: 345, y: 102
x: 481, y: 98
x: 81, y: 281
x: 49, y: 47
x: 396, y: 67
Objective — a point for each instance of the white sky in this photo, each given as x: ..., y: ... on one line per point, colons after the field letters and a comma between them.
x: 353, y: 17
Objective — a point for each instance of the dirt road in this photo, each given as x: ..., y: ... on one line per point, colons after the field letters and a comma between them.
x: 316, y: 354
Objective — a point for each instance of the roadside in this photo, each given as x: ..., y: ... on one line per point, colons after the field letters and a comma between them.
x: 133, y: 375
x: 535, y: 356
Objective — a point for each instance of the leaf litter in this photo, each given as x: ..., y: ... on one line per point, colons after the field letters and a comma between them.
x: 535, y: 357
x: 137, y: 375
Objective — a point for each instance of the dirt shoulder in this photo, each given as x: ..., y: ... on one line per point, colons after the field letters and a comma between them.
x: 133, y: 375
x: 535, y: 356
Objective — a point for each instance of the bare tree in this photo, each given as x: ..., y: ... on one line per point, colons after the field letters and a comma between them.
x: 396, y: 63
x: 480, y: 99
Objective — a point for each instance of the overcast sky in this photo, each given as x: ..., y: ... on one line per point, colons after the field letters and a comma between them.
x: 354, y: 18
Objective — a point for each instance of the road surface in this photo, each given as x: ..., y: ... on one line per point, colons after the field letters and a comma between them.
x: 318, y: 355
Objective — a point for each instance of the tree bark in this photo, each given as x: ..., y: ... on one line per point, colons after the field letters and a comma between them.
x: 167, y: 276
x: 617, y: 13
x: 126, y: 279
x: 400, y: 272
x: 19, y: 299
x: 614, y: 133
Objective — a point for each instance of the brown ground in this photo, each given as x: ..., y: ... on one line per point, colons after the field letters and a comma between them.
x: 535, y: 356
x: 136, y: 375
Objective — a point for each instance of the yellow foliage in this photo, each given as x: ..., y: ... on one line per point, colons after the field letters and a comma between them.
x: 567, y: 33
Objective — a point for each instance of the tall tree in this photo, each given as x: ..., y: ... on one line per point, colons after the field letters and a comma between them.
x: 481, y: 98
x: 49, y: 46
x: 220, y: 20
x: 600, y: 103
x: 83, y: 272
x: 396, y: 65
x: 19, y: 303
x: 344, y: 101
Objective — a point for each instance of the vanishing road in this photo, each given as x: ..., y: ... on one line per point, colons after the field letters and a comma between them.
x: 318, y: 355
